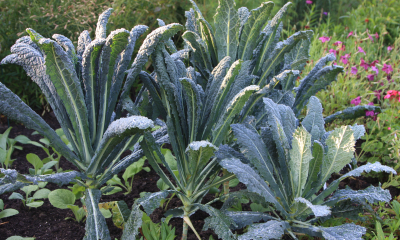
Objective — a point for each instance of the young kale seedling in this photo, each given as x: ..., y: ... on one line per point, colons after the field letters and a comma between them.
x: 6, y: 212
x: 40, y: 193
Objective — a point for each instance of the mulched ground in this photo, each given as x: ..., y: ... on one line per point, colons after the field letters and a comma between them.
x: 47, y: 222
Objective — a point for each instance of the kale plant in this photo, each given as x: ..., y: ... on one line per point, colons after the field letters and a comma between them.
x: 287, y: 164
x: 232, y: 67
x: 82, y: 86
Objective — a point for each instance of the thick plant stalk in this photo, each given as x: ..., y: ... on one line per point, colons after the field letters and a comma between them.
x: 185, y: 230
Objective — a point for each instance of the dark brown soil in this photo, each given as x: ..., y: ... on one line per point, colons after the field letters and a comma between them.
x: 47, y: 222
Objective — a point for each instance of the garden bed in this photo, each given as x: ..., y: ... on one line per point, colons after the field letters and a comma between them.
x: 48, y: 222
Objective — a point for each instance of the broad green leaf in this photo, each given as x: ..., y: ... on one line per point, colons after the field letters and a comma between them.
x: 251, y: 30
x: 162, y: 185
x: 208, y: 37
x: 19, y: 238
x: 4, y: 137
x: 1, y: 205
x: 35, y: 204
x: 29, y: 189
x: 67, y: 45
x: 133, y: 169
x: 340, y: 151
x: 34, y: 160
x: 226, y: 22
x: 105, y: 213
x: 8, y: 213
x: 41, y: 193
x: 300, y: 157
x: 15, y: 195
x: 61, y: 198
x: 22, y: 139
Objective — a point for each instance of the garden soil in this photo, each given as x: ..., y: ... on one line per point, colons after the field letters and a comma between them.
x: 48, y: 222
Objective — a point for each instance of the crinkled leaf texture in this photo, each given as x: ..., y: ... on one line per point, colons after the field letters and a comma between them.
x: 352, y: 113
x: 217, y: 221
x: 270, y: 230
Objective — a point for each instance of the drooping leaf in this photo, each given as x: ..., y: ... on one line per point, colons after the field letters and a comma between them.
x: 352, y: 113
x: 244, y: 218
x: 252, y: 180
x: 102, y: 24
x: 371, y: 195
x: 348, y: 231
x: 302, y: 205
x: 114, y: 134
x: 270, y: 230
x: 217, y: 221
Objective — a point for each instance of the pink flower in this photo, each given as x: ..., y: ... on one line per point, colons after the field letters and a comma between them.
x: 371, y: 104
x: 389, y: 48
x: 337, y: 43
x: 324, y: 38
x: 332, y: 51
x: 326, y: 13
x: 364, y: 64
x: 375, y: 69
x: 389, y: 128
x: 376, y: 35
x: 371, y: 77
x: 370, y: 37
x: 361, y: 50
x: 374, y: 62
x: 387, y: 68
x: 391, y: 94
x: 345, y: 58
x: 309, y: 2
x: 378, y: 94
x: 356, y: 101
x: 350, y: 34
x: 354, y: 70
x: 369, y: 113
